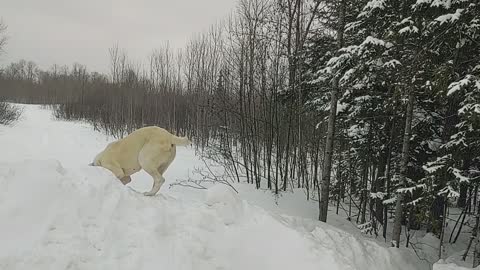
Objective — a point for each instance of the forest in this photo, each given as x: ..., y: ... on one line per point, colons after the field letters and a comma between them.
x: 370, y: 107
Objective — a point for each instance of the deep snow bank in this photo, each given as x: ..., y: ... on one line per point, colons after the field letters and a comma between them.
x: 451, y: 266
x: 57, y: 218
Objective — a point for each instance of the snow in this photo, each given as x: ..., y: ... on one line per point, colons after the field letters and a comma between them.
x: 407, y: 20
x: 408, y: 29
x: 414, y: 202
x: 450, y: 191
x: 372, y: 5
x: 375, y: 41
x: 467, y: 107
x: 451, y: 17
x: 335, y: 63
x: 226, y: 203
x: 432, y: 168
x: 57, y: 212
x: 347, y: 75
x: 378, y: 195
x: 390, y: 201
x: 451, y: 266
x: 341, y: 107
x: 392, y: 63
x: 352, y: 49
x: 90, y: 221
x: 411, y: 189
x: 420, y: 2
x: 459, y: 176
x: 442, y: 3
x: 456, y: 86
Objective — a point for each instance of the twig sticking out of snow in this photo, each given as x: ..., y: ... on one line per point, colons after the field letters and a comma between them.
x: 205, y: 175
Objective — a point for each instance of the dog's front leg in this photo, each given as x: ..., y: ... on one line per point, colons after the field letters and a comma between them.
x: 117, y: 171
x: 126, y: 179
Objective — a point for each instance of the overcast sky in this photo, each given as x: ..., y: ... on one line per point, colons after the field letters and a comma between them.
x: 68, y: 31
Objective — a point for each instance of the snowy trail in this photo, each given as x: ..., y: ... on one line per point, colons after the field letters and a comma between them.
x: 58, y: 213
x: 38, y: 136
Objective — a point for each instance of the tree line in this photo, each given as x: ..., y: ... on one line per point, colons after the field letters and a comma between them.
x: 8, y: 112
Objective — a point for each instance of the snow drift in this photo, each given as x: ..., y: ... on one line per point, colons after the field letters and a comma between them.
x: 55, y: 218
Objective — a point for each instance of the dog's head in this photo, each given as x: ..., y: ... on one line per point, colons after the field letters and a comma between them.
x: 96, y: 160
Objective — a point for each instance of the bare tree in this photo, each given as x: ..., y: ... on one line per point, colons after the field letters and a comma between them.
x: 3, y: 37
x: 397, y: 226
x: 327, y: 166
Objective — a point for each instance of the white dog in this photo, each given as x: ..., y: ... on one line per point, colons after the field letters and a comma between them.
x: 149, y: 148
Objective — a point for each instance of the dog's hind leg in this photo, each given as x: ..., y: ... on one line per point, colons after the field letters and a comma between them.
x: 151, y: 157
x: 158, y: 181
x: 162, y: 168
x: 167, y: 160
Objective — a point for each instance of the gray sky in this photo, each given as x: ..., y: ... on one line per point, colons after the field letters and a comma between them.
x: 68, y: 31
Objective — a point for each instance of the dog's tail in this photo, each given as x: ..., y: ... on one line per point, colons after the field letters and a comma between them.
x: 181, y: 141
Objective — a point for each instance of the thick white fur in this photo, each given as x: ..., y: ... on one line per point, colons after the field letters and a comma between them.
x: 150, y: 148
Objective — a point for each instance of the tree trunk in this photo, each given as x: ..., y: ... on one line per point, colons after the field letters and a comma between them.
x: 472, y: 237
x: 397, y: 225
x: 387, y: 180
x: 462, y: 199
x: 476, y: 253
x: 327, y: 167
x: 442, y: 232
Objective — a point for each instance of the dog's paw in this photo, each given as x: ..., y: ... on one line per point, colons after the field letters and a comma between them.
x: 148, y: 193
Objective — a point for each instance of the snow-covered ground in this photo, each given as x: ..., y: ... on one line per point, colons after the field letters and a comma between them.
x: 56, y: 212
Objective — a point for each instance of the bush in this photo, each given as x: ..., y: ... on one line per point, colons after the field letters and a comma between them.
x: 9, y: 113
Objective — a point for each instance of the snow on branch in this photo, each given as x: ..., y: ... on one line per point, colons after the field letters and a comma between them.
x: 406, y: 20
x: 371, y: 6
x: 439, y: 163
x: 441, y: 3
x: 457, y: 138
x: 408, y: 29
x: 376, y: 42
x: 451, y: 193
x: 378, y: 195
x: 352, y: 26
x: 392, y: 63
x: 432, y: 168
x: 421, y: 3
x: 346, y: 77
x: 451, y: 17
x: 469, y: 107
x: 415, y: 202
x: 458, y: 85
x: 411, y: 189
x: 460, y: 177
x: 352, y: 49
x: 389, y: 201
